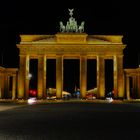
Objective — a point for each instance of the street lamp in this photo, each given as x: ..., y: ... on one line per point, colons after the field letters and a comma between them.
x: 30, y: 76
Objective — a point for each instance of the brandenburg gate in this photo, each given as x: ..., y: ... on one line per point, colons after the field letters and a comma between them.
x: 70, y: 43
x: 70, y: 46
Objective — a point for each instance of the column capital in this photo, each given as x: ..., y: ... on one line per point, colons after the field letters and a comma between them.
x: 24, y: 55
x: 100, y: 56
x: 41, y: 55
x: 127, y: 75
x: 59, y: 55
x: 83, y: 56
x: 118, y: 56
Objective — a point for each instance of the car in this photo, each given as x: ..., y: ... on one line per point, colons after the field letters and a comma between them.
x: 51, y: 94
x: 32, y: 92
x: 91, y: 94
x: 66, y: 95
x: 51, y: 97
x: 32, y: 100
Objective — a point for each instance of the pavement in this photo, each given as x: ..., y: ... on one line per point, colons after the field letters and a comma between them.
x: 7, y: 104
x: 65, y: 100
x: 70, y: 120
x: 7, y: 107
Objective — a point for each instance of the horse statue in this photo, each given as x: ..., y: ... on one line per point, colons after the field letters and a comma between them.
x: 71, y: 25
x: 67, y: 27
x: 81, y: 27
x: 62, y: 27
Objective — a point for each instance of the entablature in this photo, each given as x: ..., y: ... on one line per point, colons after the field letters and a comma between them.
x: 71, y: 49
x: 71, y: 38
x: 132, y: 72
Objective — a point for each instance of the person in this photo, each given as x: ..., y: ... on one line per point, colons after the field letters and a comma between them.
x: 78, y: 93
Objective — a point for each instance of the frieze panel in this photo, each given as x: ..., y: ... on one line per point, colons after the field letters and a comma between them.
x: 71, y: 38
x: 75, y: 49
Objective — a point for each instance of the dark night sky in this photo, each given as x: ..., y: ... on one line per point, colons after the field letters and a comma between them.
x: 42, y: 17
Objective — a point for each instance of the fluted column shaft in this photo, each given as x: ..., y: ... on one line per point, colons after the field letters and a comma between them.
x: 118, y: 77
x: 134, y: 86
x: 6, y: 86
x: 138, y: 85
x: 23, y: 77
x: 41, y: 77
x: 83, y: 76
x: 2, y: 85
x: 100, y: 77
x: 59, y: 76
x: 14, y: 88
x: 127, y: 88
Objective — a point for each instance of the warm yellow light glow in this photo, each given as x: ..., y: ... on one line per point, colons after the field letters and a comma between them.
x: 70, y: 46
x: 71, y: 38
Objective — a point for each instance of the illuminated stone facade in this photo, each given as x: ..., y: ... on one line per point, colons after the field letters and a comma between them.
x: 70, y: 46
x: 5, y: 83
x: 132, y: 83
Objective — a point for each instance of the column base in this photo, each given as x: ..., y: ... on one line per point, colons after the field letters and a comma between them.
x: 120, y: 98
x: 101, y: 98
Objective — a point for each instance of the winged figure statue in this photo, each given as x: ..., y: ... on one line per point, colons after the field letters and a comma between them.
x: 71, y: 12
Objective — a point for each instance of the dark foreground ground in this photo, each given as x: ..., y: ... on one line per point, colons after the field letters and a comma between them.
x: 70, y: 121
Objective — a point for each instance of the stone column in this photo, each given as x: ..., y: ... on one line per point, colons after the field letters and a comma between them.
x: 14, y: 87
x: 41, y: 77
x: 59, y: 77
x: 27, y: 77
x: 115, y: 77
x: 23, y: 77
x: 118, y: 77
x: 134, y: 86
x: 83, y: 76
x: 138, y: 85
x: 6, y: 85
x: 100, y: 77
x: 0, y: 86
x: 127, y: 88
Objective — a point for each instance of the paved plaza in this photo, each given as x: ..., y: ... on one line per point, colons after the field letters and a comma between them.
x: 69, y: 120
